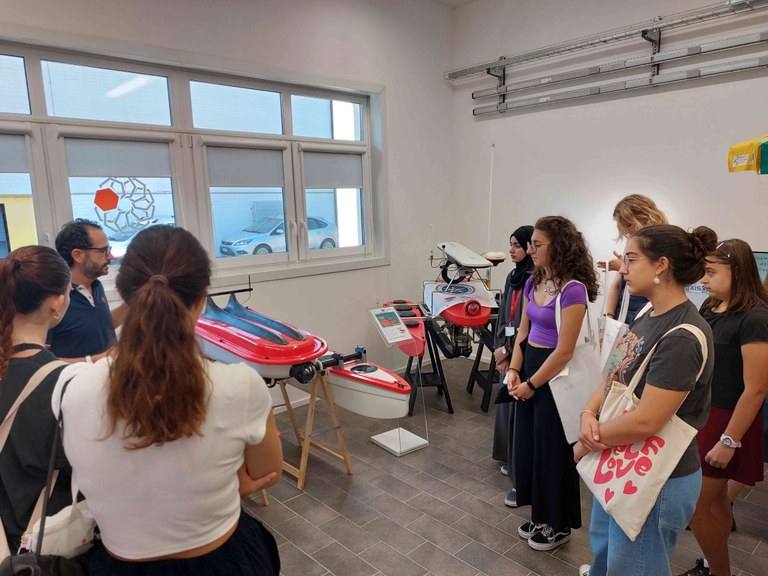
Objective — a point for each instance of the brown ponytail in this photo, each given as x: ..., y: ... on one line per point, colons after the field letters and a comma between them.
x: 28, y: 276
x: 684, y: 250
x: 157, y: 382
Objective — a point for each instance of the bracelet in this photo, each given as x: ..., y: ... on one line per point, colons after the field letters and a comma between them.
x: 610, y: 315
x: 595, y: 414
x: 530, y: 385
x: 513, y: 370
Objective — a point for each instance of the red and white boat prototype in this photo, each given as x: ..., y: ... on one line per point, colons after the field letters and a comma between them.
x: 278, y: 351
x: 275, y: 349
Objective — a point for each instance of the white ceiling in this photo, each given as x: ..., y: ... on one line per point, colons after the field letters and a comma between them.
x: 454, y: 3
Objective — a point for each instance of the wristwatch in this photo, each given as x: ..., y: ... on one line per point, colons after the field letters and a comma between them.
x: 530, y: 385
x: 730, y: 442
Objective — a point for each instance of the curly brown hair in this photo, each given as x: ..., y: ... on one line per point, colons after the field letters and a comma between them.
x: 157, y: 382
x: 569, y: 256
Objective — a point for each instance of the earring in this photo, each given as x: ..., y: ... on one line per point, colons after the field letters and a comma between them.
x: 656, y: 280
x: 57, y: 316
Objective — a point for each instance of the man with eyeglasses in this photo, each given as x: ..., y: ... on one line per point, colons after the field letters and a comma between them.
x: 87, y: 331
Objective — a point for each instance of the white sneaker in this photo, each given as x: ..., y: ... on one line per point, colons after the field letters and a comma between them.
x: 504, y: 470
x: 584, y: 570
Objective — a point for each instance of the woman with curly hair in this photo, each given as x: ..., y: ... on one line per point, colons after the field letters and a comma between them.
x: 545, y: 474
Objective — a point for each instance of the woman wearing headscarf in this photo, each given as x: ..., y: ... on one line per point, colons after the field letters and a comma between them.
x: 504, y: 339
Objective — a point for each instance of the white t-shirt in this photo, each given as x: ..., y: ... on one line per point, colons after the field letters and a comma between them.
x: 162, y: 499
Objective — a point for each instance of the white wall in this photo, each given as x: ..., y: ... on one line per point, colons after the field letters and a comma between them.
x: 396, y: 48
x: 579, y: 159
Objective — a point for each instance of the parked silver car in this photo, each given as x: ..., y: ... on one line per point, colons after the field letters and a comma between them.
x: 268, y: 235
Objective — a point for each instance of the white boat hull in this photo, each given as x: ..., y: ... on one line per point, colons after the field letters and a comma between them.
x: 367, y: 399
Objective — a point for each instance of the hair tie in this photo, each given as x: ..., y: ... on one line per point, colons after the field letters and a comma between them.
x: 159, y: 279
x: 16, y: 265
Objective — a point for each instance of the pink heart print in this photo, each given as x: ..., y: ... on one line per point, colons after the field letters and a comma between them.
x: 630, y: 488
x: 608, y: 495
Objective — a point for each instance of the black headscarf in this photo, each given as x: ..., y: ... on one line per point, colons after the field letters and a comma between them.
x: 522, y: 270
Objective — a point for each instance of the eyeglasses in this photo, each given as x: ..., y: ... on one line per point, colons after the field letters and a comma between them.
x: 534, y: 246
x: 103, y: 249
x: 628, y: 260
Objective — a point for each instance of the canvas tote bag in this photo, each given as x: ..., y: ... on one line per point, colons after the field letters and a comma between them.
x: 627, y: 480
x: 612, y: 330
x: 576, y: 384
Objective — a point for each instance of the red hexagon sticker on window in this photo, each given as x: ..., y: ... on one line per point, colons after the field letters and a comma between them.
x: 106, y: 199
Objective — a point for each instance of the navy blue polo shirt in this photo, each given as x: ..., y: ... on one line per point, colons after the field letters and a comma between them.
x: 86, y: 328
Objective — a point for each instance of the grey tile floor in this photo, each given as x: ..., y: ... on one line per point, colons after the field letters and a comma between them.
x: 440, y: 510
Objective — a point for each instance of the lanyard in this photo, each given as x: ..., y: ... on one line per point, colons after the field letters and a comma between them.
x: 515, y: 301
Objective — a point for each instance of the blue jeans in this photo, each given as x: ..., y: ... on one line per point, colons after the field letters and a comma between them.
x: 617, y: 555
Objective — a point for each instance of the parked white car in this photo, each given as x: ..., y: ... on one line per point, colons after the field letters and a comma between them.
x: 268, y: 235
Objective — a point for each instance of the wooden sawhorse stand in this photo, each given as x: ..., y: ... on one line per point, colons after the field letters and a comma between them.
x: 305, y: 438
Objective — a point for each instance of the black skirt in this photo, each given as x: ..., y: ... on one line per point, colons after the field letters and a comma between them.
x: 250, y: 551
x: 545, y: 473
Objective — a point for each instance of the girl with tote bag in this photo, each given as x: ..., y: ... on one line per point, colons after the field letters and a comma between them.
x: 659, y: 262
x: 545, y: 474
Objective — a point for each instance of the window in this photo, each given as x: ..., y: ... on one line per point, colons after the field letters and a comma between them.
x: 14, y: 98
x: 246, y: 188
x: 218, y: 107
x: 325, y: 118
x: 273, y: 178
x: 124, y: 186
x: 334, y: 196
x: 5, y: 245
x: 16, y: 192
x: 89, y: 93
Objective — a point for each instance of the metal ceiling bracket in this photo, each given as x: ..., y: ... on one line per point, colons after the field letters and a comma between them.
x: 500, y: 73
x: 654, y: 37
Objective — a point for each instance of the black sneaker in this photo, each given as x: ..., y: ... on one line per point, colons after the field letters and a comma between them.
x: 529, y: 529
x: 698, y: 570
x: 511, y: 499
x: 549, y: 539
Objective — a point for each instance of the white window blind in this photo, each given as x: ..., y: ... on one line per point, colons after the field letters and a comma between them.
x: 13, y: 153
x: 331, y: 170
x: 117, y: 158
x: 245, y: 167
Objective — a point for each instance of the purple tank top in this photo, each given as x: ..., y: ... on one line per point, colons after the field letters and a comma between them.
x: 543, y: 330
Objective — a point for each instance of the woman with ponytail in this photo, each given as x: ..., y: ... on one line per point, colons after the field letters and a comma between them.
x: 158, y: 434
x: 659, y: 262
x: 33, y: 298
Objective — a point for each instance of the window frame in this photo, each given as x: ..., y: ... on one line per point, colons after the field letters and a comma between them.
x: 189, y: 166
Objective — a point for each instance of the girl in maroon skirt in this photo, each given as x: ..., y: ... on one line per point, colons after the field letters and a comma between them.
x: 731, y: 443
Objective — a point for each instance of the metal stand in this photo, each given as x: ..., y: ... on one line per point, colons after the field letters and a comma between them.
x: 305, y: 438
x: 487, y: 380
x: 434, y: 378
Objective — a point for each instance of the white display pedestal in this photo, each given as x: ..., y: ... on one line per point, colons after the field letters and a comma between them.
x: 399, y: 441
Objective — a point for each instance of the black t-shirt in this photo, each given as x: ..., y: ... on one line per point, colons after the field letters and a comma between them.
x: 731, y: 331
x: 674, y: 366
x: 25, y: 456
